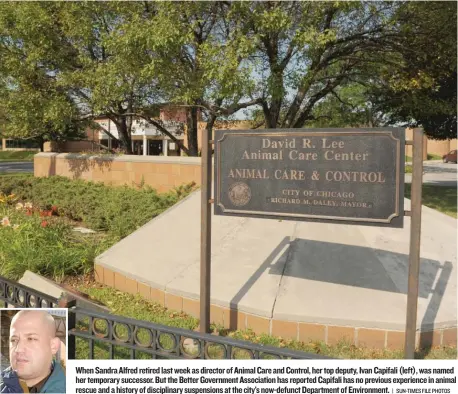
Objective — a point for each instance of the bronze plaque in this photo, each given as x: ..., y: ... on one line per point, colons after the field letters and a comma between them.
x: 351, y: 176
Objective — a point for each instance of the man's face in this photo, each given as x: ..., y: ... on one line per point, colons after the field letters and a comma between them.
x: 31, y: 347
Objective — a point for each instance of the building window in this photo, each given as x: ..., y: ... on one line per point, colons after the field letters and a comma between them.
x: 22, y: 144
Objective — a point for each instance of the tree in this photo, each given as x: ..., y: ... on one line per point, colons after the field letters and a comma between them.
x: 127, y: 60
x: 306, y: 50
x: 31, y: 115
x: 420, y: 88
x: 296, y: 61
x: 347, y: 106
x: 105, y: 77
x: 203, y: 49
x: 32, y: 104
x: 76, y: 52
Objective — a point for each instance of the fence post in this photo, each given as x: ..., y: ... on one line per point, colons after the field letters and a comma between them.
x: 67, y: 301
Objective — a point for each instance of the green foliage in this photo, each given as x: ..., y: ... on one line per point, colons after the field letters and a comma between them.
x: 33, y: 102
x: 347, y: 106
x: 432, y: 156
x: 62, y: 60
x: 117, y: 210
x: 53, y: 251
x: 48, y: 245
x: 15, y: 174
x: 418, y: 85
x: 307, y: 50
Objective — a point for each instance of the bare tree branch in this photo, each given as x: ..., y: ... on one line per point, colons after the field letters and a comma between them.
x: 232, y: 108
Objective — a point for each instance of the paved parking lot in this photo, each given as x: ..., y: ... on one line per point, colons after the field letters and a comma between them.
x: 438, y: 173
x: 12, y: 167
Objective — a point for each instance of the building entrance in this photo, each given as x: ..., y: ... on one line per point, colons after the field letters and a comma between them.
x: 155, y: 147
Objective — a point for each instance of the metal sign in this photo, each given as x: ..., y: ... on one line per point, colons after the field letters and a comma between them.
x: 352, y: 176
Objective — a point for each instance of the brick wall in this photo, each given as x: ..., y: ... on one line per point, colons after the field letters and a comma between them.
x: 177, y: 114
x: 161, y: 173
x: 68, y: 146
x: 219, y: 125
x: 409, y: 151
x: 234, y: 319
x: 431, y: 146
x: 441, y: 147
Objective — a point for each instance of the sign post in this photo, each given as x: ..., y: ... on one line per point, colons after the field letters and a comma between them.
x: 349, y: 176
x: 205, y: 246
x: 414, y: 255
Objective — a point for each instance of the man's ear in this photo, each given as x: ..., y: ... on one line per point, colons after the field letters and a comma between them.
x: 55, y: 345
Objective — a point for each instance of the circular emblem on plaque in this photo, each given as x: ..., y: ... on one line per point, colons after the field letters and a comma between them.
x: 239, y: 194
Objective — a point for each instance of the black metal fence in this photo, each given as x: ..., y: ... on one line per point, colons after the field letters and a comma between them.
x: 20, y: 296
x: 97, y: 335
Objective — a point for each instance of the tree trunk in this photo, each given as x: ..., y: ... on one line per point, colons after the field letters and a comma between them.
x: 41, y: 142
x: 191, y: 122
x: 210, y: 124
x: 124, y: 136
x: 277, y: 96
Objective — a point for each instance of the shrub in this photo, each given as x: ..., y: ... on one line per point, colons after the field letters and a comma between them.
x: 46, y: 246
x: 117, y: 210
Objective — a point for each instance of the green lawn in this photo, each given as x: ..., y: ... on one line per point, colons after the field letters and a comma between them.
x: 16, y: 174
x: 432, y: 156
x: 11, y: 155
x: 441, y: 198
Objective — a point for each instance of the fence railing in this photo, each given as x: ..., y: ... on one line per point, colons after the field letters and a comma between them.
x: 99, y: 335
x: 20, y: 296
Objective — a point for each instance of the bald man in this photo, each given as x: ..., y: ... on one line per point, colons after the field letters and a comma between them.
x: 33, y: 345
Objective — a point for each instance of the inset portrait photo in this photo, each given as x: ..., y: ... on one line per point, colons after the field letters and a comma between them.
x: 33, y: 350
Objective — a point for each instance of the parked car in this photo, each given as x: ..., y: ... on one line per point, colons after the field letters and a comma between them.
x: 450, y: 157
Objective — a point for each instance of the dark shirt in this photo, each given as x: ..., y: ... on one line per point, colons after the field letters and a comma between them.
x: 37, y: 387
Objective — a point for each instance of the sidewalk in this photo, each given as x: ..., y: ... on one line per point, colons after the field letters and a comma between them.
x: 268, y: 273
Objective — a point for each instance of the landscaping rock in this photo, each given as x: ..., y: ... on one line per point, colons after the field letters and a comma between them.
x: 53, y: 289
x: 191, y: 346
x: 84, y: 230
